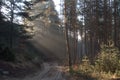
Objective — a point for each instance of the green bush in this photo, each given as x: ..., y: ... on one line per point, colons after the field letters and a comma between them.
x: 108, y: 60
x: 86, y: 66
x: 106, y: 64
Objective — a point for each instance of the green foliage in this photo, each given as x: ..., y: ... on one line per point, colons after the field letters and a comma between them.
x: 71, y: 70
x: 86, y: 66
x: 108, y: 59
x: 106, y: 65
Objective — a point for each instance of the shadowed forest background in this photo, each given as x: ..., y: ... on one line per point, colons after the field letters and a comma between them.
x: 29, y: 30
x: 84, y: 35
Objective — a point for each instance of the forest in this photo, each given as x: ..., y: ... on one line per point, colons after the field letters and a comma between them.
x: 80, y: 41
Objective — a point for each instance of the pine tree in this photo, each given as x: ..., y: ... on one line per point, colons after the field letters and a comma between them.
x: 109, y: 58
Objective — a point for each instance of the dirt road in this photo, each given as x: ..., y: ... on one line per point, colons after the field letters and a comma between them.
x: 50, y: 71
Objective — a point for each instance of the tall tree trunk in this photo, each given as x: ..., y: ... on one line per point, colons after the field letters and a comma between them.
x: 11, y: 20
x: 73, y: 21
x: 66, y: 4
x: 115, y: 22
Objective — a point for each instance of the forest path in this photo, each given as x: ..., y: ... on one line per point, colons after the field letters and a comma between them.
x: 49, y: 71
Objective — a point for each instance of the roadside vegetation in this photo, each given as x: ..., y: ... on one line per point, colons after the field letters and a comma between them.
x: 105, y: 66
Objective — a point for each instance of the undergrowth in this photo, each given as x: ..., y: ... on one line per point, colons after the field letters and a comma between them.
x: 105, y: 66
